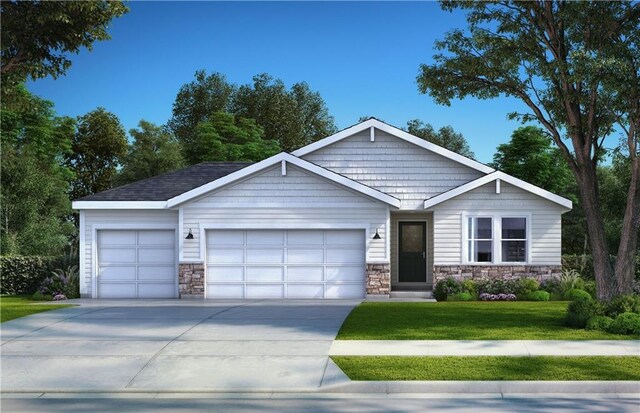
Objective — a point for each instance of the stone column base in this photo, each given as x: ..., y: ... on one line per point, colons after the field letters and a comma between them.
x: 191, y: 280
x: 378, y: 279
x: 505, y: 272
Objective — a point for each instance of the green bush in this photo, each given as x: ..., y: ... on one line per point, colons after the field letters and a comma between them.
x: 525, y: 286
x: 625, y: 323
x: 552, y: 286
x: 538, y: 296
x: 468, y: 286
x: 445, y: 288
x: 580, y: 311
x: 590, y: 287
x: 62, y: 281
x: 24, y: 274
x: 576, y: 294
x: 599, y: 323
x: 37, y: 296
x: 570, y: 280
x: 496, y: 286
x: 623, y: 304
x: 460, y: 297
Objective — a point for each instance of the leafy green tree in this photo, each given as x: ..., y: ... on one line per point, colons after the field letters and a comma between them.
x: 154, y: 151
x: 98, y: 146
x: 197, y: 101
x: 34, y: 206
x: 226, y: 137
x: 530, y: 156
x: 445, y: 137
x: 38, y: 36
x: 575, y: 65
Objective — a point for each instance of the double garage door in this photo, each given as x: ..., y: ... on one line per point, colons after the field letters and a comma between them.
x: 285, y: 264
x: 137, y: 264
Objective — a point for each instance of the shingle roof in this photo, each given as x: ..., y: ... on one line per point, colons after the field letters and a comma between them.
x: 170, y: 184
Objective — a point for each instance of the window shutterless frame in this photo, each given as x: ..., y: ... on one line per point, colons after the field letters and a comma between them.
x: 496, y: 236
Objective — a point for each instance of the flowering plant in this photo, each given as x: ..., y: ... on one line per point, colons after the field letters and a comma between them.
x: 497, y: 297
x: 59, y: 297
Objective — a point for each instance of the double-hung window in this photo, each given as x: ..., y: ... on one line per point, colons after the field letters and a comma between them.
x: 495, y: 238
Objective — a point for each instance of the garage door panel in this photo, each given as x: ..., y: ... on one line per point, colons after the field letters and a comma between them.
x: 164, y: 273
x: 117, y: 273
x: 353, y: 238
x: 270, y: 238
x: 301, y: 237
x: 225, y: 291
x: 114, y: 255
x: 305, y: 256
x: 265, y: 291
x: 117, y: 290
x: 344, y: 290
x: 225, y: 273
x: 225, y: 256
x: 345, y: 273
x: 265, y: 256
x: 305, y: 291
x: 155, y: 290
x: 305, y: 273
x: 116, y: 238
x: 344, y: 256
x: 156, y: 238
x: 265, y: 274
x: 156, y: 255
x: 223, y: 238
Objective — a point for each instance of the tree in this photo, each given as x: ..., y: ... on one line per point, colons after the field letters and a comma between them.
x: 530, y: 156
x: 154, y: 151
x: 445, y: 137
x: 34, y: 206
x: 37, y: 37
x: 197, y: 101
x: 97, y: 148
x: 575, y: 65
x: 226, y: 137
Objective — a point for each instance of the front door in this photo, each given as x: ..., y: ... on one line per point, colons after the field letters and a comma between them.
x: 413, y: 252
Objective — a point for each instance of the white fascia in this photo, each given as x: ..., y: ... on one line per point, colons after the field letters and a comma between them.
x: 119, y: 204
x: 301, y: 163
x: 399, y: 133
x: 502, y: 177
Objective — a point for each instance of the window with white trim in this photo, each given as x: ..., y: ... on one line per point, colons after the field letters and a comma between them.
x: 480, y: 239
x: 513, y: 239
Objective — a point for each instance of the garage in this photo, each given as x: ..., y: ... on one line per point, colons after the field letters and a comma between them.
x: 292, y: 264
x: 136, y: 264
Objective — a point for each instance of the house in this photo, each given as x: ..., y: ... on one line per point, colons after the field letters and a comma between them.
x: 369, y: 210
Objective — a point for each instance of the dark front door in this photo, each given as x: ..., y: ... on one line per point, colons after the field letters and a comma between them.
x: 413, y: 252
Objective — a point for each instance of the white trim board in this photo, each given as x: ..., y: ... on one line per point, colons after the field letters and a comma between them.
x: 301, y: 163
x: 399, y: 133
x: 119, y: 204
x: 501, y: 176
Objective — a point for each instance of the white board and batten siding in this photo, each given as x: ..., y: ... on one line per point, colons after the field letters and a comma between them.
x: 545, y: 226
x: 297, y: 200
x: 393, y: 166
x: 143, y: 231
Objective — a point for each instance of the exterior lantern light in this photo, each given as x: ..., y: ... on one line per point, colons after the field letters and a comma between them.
x: 189, y: 235
x: 377, y: 236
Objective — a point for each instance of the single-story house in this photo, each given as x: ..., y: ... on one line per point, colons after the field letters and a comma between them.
x: 367, y: 211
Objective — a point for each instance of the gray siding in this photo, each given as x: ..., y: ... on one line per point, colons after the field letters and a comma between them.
x: 393, y: 166
x: 546, y: 228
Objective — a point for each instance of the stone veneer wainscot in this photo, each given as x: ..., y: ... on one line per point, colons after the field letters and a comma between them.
x: 191, y: 280
x: 378, y: 279
x: 505, y: 272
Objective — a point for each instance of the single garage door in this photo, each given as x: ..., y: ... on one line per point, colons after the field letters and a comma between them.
x: 137, y: 264
x: 285, y: 263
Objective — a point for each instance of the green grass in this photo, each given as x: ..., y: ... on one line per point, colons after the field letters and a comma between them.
x: 490, y: 368
x: 465, y: 321
x: 18, y: 306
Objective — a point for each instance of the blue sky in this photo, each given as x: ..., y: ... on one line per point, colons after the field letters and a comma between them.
x: 363, y: 58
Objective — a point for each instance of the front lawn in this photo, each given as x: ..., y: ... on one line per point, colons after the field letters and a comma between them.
x: 490, y: 368
x: 17, y: 306
x: 465, y: 321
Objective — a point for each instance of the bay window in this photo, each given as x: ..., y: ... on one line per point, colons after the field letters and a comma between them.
x: 495, y: 238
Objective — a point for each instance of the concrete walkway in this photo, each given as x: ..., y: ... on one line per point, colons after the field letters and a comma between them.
x: 173, y: 345
x: 485, y: 348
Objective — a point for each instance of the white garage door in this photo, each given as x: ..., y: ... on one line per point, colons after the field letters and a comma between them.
x: 285, y: 263
x: 137, y: 264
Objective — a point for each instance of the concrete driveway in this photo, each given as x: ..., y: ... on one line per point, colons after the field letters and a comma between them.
x: 163, y: 345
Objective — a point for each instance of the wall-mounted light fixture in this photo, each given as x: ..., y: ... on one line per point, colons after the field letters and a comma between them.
x: 377, y: 236
x: 189, y: 235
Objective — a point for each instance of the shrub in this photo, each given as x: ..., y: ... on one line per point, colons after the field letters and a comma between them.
x: 590, y: 287
x: 63, y: 281
x: 496, y: 286
x: 23, y: 274
x: 37, y: 296
x: 59, y: 297
x: 599, y: 323
x: 623, y: 304
x: 636, y: 286
x: 582, y: 264
x: 570, y: 280
x: 463, y: 296
x: 538, y: 296
x: 525, y: 286
x: 497, y: 297
x: 552, y: 286
x: 625, y: 323
x: 576, y: 294
x: 580, y: 311
x: 445, y: 288
x: 468, y: 286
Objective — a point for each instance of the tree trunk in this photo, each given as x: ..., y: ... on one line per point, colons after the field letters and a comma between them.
x: 626, y: 259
